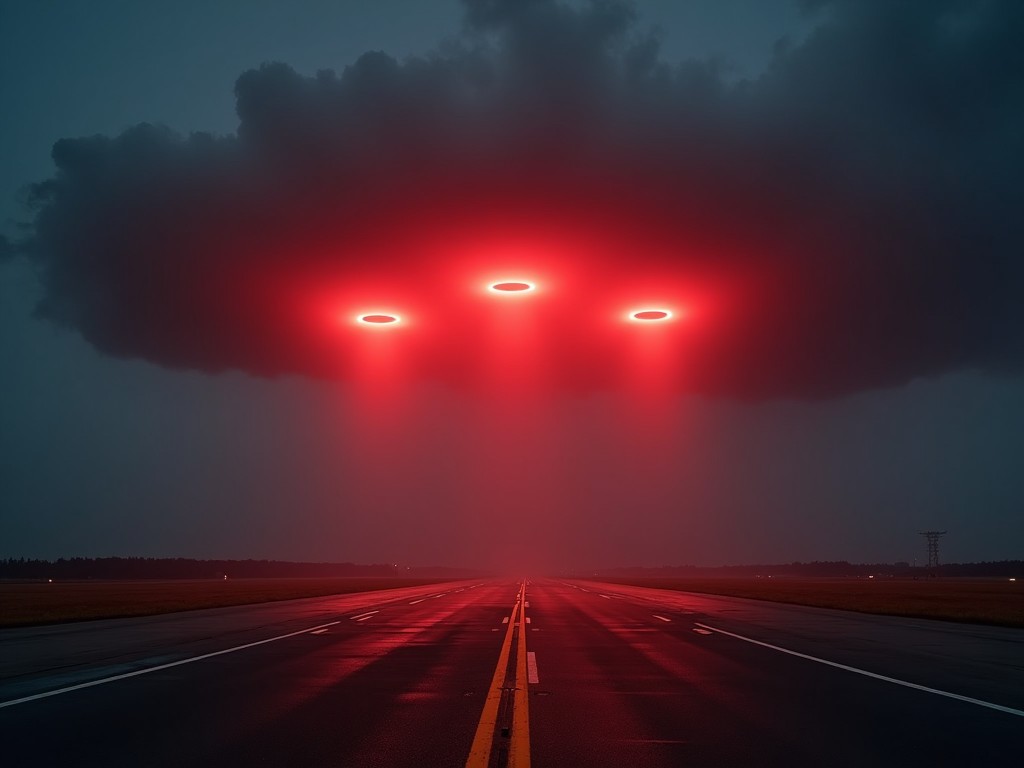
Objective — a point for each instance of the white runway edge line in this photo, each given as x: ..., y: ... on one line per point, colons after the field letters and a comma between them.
x: 876, y: 676
x: 157, y: 668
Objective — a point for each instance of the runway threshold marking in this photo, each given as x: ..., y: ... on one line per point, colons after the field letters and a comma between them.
x: 875, y: 675
x: 483, y: 739
x: 147, y: 670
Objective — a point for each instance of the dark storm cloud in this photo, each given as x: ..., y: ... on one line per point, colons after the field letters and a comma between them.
x: 856, y: 208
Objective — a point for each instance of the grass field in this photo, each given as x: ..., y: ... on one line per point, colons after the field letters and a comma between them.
x: 980, y: 601
x: 23, y: 604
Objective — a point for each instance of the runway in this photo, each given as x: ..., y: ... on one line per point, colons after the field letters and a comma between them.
x: 544, y: 672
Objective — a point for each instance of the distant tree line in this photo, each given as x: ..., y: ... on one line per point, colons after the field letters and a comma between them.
x: 186, y: 568
x: 837, y: 568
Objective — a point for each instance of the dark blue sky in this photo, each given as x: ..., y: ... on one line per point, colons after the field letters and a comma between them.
x: 122, y: 450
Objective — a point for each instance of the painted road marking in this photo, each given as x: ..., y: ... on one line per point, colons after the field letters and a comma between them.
x: 157, y: 668
x: 505, y: 620
x: 606, y: 597
x: 531, y: 667
x: 527, y: 619
x: 361, y: 616
x: 414, y: 602
x: 480, y: 751
x: 700, y: 631
x: 875, y: 675
x: 663, y: 618
x: 364, y: 618
x: 519, y: 747
x: 318, y: 631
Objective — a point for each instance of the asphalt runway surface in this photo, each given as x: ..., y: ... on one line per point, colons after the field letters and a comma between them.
x: 545, y: 673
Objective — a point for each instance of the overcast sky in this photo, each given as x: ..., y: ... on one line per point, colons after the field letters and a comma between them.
x: 825, y: 193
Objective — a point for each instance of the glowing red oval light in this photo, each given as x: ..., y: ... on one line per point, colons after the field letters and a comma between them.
x: 648, y: 315
x: 378, y: 318
x: 512, y: 286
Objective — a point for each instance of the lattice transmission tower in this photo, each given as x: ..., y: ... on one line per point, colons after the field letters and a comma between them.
x: 933, y: 546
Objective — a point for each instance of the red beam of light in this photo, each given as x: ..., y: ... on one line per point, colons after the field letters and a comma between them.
x: 381, y: 432
x: 379, y: 345
x: 512, y: 472
x: 653, y: 348
x: 651, y: 340
x: 503, y: 359
x: 509, y: 353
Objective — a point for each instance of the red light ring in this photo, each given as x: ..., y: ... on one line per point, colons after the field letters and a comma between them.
x: 512, y: 286
x: 378, y: 318
x: 650, y: 315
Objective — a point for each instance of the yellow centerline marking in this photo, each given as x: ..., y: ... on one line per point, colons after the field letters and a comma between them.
x: 480, y: 752
x: 519, y: 749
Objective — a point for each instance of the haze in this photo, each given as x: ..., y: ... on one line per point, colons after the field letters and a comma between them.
x: 824, y: 195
